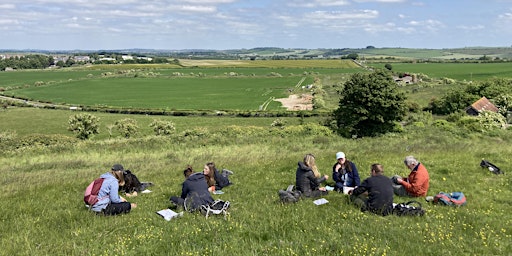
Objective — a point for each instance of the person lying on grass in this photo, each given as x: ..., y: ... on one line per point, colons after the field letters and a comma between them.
x: 216, y: 180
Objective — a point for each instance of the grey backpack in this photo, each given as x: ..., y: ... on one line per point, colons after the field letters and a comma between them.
x: 289, y: 195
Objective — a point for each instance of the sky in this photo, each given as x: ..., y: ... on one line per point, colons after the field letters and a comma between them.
x: 246, y: 24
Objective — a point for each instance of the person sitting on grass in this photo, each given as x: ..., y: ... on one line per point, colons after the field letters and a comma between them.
x: 110, y: 203
x: 194, y: 191
x: 216, y: 180
x: 375, y: 194
x: 344, y: 173
x: 308, y: 178
x: 416, y: 184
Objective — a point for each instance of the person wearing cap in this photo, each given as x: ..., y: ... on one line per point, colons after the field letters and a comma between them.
x: 375, y: 194
x: 194, y: 191
x: 308, y: 178
x: 416, y: 184
x: 344, y: 173
x: 110, y: 203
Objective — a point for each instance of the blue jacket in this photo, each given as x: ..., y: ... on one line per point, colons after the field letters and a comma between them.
x: 109, y: 192
x: 346, y: 177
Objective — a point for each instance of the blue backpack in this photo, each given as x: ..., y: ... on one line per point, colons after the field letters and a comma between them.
x: 451, y: 199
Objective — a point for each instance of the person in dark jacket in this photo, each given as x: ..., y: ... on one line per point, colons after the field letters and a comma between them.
x: 308, y: 178
x: 344, y: 173
x: 194, y: 192
x: 216, y: 180
x: 375, y: 194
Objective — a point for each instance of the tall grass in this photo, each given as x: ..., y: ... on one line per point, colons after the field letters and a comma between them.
x: 42, y: 212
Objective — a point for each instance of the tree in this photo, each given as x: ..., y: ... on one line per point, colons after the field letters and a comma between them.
x: 83, y: 125
x: 369, y: 105
x: 388, y: 66
x: 352, y: 56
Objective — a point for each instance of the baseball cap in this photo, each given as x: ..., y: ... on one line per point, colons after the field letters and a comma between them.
x: 340, y: 155
x: 117, y: 167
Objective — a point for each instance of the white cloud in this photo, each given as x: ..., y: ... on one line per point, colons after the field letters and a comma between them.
x: 474, y: 27
x: 358, y: 14
x: 316, y: 3
x: 7, y: 6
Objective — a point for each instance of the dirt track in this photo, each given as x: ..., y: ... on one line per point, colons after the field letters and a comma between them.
x: 296, y: 102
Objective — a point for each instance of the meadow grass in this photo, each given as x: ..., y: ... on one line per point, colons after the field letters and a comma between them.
x: 30, y: 121
x: 42, y: 212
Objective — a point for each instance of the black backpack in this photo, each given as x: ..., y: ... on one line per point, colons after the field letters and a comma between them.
x: 411, y: 208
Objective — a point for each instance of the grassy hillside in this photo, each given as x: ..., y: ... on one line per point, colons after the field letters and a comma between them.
x: 42, y: 212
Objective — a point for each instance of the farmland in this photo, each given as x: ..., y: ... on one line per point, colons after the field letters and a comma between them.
x: 45, y: 169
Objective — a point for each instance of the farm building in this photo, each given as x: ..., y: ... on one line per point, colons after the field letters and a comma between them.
x: 481, y: 105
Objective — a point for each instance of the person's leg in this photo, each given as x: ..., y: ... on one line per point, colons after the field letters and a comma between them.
x: 359, y: 201
x: 400, y: 190
x: 226, y: 173
x: 177, y: 201
x: 119, y: 208
x: 338, y: 186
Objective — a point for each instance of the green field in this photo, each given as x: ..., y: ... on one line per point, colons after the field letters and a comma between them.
x: 45, y: 169
x: 457, y: 71
x: 179, y: 93
x: 219, y: 84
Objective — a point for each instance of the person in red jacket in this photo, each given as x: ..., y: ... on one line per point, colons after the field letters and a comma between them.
x: 416, y: 184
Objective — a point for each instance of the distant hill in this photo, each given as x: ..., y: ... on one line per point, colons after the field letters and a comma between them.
x: 300, y: 53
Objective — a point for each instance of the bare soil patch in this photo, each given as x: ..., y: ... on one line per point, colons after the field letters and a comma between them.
x: 297, y: 102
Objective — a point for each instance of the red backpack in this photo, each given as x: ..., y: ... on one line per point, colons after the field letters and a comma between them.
x: 91, y: 192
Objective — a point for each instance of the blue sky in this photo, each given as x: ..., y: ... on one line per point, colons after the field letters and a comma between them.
x: 237, y: 24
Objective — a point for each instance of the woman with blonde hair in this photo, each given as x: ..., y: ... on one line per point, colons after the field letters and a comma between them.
x: 308, y: 178
x: 110, y: 203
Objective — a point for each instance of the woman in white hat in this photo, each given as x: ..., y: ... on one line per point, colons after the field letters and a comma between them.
x: 344, y: 173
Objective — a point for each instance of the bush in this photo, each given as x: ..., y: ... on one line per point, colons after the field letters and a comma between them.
x: 84, y: 125
x: 161, y: 127
x: 127, y: 127
x: 485, y: 122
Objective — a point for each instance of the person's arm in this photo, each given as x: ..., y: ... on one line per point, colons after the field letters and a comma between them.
x: 114, y: 192
x: 313, y: 180
x: 357, y: 180
x: 360, y: 189
x: 184, y: 190
x: 336, y: 174
x: 415, y: 184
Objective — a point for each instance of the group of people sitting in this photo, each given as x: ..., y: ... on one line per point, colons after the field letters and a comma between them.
x: 374, y: 194
x: 196, y: 189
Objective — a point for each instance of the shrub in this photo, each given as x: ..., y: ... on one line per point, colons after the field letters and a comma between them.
x: 162, y: 127
x: 127, y: 127
x: 485, y: 122
x: 422, y: 117
x: 278, y: 123
x: 84, y: 125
